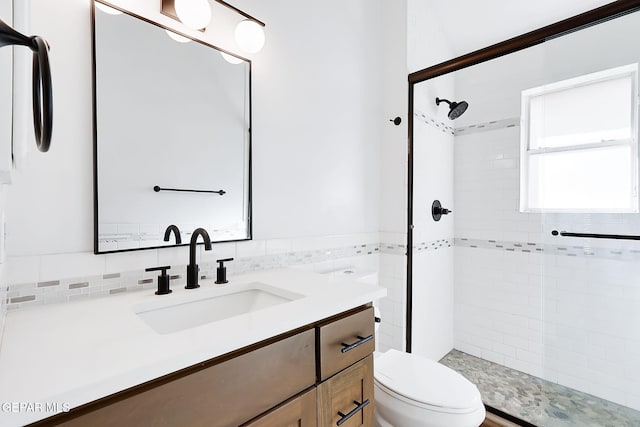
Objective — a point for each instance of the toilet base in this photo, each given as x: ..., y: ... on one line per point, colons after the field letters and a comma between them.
x: 391, y: 412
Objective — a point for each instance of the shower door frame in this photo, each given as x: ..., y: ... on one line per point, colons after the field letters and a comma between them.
x: 515, y: 44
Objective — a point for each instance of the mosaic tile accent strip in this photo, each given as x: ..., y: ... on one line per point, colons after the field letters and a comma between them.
x: 64, y: 290
x: 433, y: 245
x: 563, y: 250
x: 393, y: 249
x: 487, y: 126
x: 535, y: 400
x: 430, y: 121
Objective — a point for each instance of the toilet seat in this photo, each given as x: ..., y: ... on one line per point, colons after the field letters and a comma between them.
x: 424, y: 383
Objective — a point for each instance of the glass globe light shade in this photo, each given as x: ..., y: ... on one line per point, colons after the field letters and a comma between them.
x: 195, y: 14
x: 250, y: 36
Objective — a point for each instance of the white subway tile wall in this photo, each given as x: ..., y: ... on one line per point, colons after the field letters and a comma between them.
x: 563, y: 309
x: 392, y: 275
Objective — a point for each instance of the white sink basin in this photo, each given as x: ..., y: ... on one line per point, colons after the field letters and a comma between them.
x: 174, y: 313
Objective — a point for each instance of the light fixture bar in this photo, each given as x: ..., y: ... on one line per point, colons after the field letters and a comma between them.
x: 238, y: 11
x: 169, y: 9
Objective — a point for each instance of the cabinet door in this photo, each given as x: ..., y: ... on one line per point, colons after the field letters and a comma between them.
x: 299, y: 412
x: 346, y: 399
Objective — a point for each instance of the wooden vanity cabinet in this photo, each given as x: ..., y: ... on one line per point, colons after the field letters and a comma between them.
x: 320, y: 375
x: 346, y: 399
x: 298, y: 412
x: 225, y: 394
x: 345, y: 369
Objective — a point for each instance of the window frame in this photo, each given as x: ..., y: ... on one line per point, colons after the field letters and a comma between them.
x: 630, y: 70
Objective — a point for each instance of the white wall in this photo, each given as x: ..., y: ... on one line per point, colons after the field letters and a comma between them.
x: 559, y: 308
x: 3, y: 287
x: 433, y: 179
x: 501, y: 19
x: 316, y: 143
x: 6, y: 96
x: 393, y: 172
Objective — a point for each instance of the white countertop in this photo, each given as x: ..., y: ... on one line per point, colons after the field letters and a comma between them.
x: 77, y: 352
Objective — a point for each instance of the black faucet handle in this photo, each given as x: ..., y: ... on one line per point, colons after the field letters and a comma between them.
x: 221, y: 271
x: 163, y: 279
x: 163, y: 269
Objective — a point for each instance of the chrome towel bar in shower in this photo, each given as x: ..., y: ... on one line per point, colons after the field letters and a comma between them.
x: 595, y: 236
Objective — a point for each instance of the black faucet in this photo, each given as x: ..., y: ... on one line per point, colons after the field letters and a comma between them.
x: 176, y: 232
x: 192, y: 268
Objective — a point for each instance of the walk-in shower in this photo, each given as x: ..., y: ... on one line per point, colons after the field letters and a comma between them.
x: 545, y: 324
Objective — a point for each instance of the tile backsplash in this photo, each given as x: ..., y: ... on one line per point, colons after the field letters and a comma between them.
x: 62, y: 278
x: 21, y: 295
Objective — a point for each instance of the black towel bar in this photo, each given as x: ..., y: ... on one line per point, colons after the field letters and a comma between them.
x: 595, y: 235
x: 157, y: 189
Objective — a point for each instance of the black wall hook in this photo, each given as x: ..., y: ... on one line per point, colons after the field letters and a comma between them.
x: 42, y: 89
x: 396, y: 121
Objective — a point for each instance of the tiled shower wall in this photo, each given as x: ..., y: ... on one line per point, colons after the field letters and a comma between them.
x: 559, y: 308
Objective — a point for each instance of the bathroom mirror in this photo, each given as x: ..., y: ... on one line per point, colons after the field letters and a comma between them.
x: 170, y: 113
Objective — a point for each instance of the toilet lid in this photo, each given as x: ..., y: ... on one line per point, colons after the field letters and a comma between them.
x: 423, y: 380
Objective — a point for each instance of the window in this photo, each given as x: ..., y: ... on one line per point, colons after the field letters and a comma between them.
x: 579, y: 145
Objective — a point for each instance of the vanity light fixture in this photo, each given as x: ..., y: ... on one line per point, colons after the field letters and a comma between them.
x: 250, y: 36
x: 196, y: 14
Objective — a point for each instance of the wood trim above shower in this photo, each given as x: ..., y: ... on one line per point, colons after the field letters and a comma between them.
x: 532, y: 38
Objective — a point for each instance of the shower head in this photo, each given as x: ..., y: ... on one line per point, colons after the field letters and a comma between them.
x: 456, y: 109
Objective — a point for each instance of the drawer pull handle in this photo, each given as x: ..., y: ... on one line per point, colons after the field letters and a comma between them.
x: 346, y: 347
x: 357, y: 409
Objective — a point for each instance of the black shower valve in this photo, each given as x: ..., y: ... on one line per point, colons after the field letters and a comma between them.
x: 437, y: 210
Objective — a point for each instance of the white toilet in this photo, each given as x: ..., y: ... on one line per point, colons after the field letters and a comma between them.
x: 412, y: 391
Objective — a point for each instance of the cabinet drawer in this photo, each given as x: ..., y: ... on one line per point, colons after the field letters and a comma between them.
x: 299, y: 412
x: 345, y: 341
x: 347, y: 399
x: 226, y: 394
